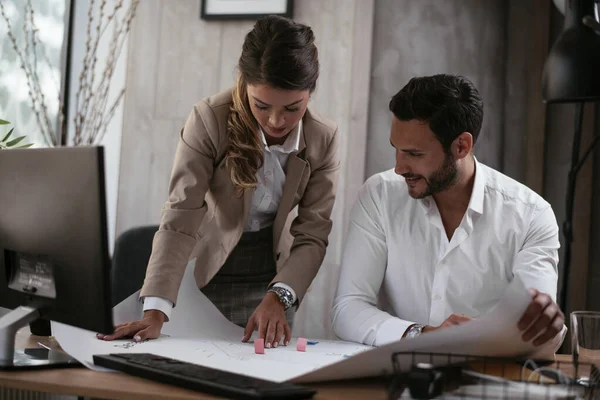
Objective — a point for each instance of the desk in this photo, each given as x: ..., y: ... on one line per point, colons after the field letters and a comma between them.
x: 87, y: 383
x: 106, y: 385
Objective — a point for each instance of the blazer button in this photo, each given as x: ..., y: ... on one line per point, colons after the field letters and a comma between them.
x: 277, y: 256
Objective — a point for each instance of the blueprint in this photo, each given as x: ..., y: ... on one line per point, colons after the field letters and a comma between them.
x: 197, y: 332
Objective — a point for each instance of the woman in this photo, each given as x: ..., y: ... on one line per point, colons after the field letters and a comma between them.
x: 246, y: 158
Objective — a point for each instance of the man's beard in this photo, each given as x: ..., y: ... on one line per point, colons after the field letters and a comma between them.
x: 441, y: 179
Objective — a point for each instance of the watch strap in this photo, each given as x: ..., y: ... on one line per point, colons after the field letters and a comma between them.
x: 285, y: 296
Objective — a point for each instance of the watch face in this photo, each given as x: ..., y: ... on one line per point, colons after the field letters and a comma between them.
x: 414, y: 331
x: 284, y: 296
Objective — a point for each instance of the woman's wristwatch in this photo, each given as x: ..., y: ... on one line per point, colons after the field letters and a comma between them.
x: 285, y: 296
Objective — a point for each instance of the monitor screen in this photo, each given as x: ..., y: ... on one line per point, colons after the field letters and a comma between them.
x: 53, y: 236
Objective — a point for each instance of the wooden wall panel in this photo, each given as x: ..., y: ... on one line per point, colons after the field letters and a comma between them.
x: 188, y: 63
x: 426, y: 37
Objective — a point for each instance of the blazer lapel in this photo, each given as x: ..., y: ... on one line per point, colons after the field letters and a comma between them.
x: 294, y: 171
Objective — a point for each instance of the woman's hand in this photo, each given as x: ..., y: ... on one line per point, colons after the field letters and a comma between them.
x: 269, y: 318
x: 146, y: 328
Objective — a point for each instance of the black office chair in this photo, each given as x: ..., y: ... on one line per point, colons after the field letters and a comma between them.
x: 130, y: 259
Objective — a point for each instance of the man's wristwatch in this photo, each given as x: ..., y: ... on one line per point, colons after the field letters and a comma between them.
x: 285, y: 296
x: 414, y: 331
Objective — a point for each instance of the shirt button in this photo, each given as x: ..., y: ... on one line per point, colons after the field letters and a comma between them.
x: 437, y: 297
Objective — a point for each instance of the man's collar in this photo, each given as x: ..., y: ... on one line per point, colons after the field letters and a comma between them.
x: 426, y: 203
x: 477, y: 193
x: 291, y: 144
x: 476, y: 202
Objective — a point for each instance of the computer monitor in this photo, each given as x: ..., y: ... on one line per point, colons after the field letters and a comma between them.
x: 54, y: 260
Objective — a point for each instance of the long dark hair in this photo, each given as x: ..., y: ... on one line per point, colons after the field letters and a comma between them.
x: 277, y: 52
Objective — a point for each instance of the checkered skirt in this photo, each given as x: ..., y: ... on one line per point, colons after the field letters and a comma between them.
x: 240, y: 285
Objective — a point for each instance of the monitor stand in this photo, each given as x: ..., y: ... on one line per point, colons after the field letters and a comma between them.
x: 33, y: 358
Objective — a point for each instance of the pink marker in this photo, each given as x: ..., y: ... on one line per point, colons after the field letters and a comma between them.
x: 259, y: 346
x: 301, y: 344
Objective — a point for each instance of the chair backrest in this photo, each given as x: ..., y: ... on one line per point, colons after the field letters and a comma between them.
x: 130, y: 259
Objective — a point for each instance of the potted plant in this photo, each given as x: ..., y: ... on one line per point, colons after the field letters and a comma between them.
x: 7, y: 143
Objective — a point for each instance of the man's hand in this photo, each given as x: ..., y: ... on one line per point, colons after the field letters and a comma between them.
x: 269, y: 318
x: 543, y: 317
x: 454, y: 319
x: 147, y: 328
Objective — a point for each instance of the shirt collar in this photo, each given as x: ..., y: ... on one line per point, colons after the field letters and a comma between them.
x: 476, y: 202
x: 291, y: 144
x: 477, y: 193
x: 426, y: 203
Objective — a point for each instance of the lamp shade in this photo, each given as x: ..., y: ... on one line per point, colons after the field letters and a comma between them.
x: 572, y: 70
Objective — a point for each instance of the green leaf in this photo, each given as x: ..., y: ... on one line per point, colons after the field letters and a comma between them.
x: 25, y: 146
x: 7, y: 135
x: 3, y: 122
x: 15, y: 141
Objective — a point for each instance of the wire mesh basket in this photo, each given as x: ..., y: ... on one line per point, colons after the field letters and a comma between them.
x: 419, y: 375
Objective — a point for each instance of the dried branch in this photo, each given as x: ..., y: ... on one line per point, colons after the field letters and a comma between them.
x: 33, y: 84
x: 92, y: 116
x: 92, y: 113
x: 33, y: 68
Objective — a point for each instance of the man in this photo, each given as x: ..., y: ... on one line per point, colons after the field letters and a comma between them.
x: 439, y: 238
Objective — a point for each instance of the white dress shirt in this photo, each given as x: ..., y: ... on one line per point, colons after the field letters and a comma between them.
x: 265, y: 201
x: 271, y: 179
x: 397, y: 253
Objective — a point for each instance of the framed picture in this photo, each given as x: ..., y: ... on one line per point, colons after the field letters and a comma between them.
x: 245, y: 9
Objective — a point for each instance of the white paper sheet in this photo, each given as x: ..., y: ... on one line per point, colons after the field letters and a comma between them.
x: 199, y: 333
x: 495, y: 334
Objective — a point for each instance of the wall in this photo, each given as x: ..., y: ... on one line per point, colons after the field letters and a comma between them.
x: 176, y: 59
x: 500, y: 45
x: 465, y: 37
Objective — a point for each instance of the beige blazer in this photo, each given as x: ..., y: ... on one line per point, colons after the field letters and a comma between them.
x: 203, y: 218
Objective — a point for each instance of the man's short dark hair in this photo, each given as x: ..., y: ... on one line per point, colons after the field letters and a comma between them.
x: 450, y: 104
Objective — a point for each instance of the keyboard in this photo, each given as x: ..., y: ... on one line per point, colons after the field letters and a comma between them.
x: 203, y: 379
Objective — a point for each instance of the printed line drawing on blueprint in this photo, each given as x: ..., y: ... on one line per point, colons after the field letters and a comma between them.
x: 317, y: 354
x: 128, y: 343
x: 227, y: 348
